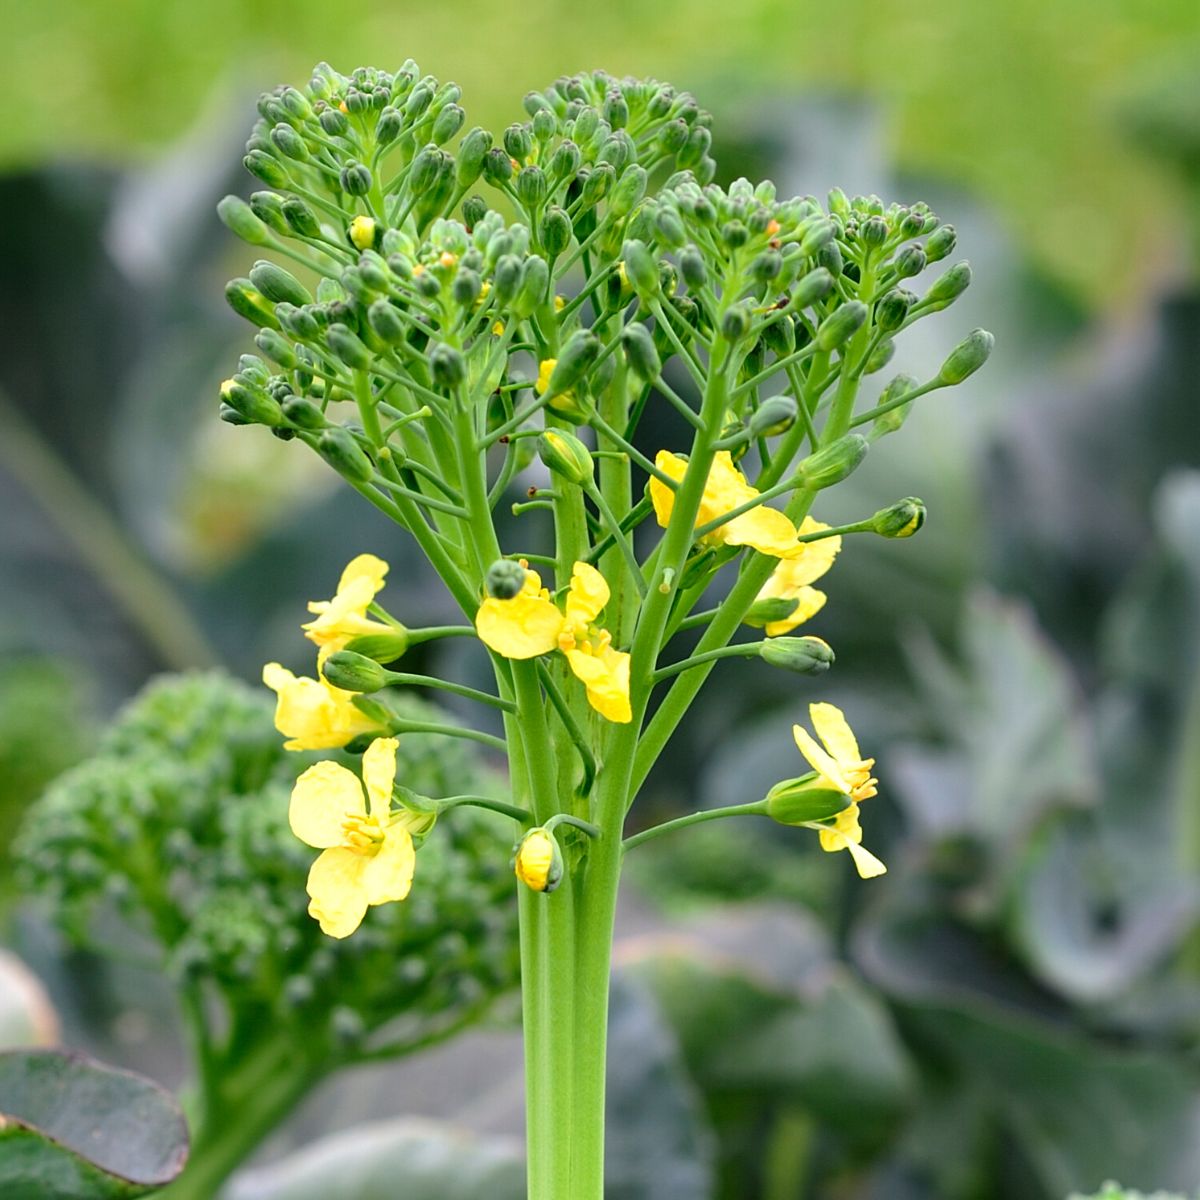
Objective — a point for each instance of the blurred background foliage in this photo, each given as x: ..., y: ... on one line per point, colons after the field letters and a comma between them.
x: 1015, y: 1011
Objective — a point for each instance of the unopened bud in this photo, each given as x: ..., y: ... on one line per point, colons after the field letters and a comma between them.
x: 574, y: 360
x: 899, y: 520
x: 910, y: 261
x: 356, y: 179
x: 804, y: 655
x: 447, y: 366
x: 538, y: 863
x: 339, y: 448
x: 348, y: 346
x: 556, y: 231
x: 735, y: 324
x: 774, y: 416
x: 940, y: 242
x: 505, y: 579
x: 277, y: 284
x: 238, y: 216
x: 364, y: 232
x: 641, y: 352
x: 472, y: 151
x: 801, y: 801
x: 948, y: 287
x: 253, y: 405
x: 353, y: 672
x: 814, y: 286
x: 302, y: 412
x: 841, y: 325
x: 892, y: 309
x: 566, y: 455
x: 247, y: 301
x: 831, y: 464
x: 967, y: 357
x: 893, y: 419
x: 640, y: 269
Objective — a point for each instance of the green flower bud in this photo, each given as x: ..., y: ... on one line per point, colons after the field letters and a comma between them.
x: 556, y: 232
x: 804, y: 800
x: 389, y: 126
x: 472, y: 151
x: 812, y: 288
x: 831, y: 464
x: 640, y: 269
x: 276, y: 347
x: 598, y: 185
x: 338, y: 447
x: 303, y: 413
x: 910, y: 261
x: 838, y: 203
x: 299, y: 322
x: 289, y: 143
x: 880, y: 356
x: 873, y: 231
x: 447, y: 123
x: 300, y: 218
x: 356, y: 179
x: 277, y: 284
x: 775, y: 415
x: 628, y: 191
x: 892, y: 420
x: 841, y: 325
x: 506, y: 279
x: 334, y: 122
x: 382, y: 647
x: 693, y: 268
x: 829, y: 256
x: 616, y: 110
x: 576, y: 358
x: 670, y: 228
x: 238, y: 216
x: 544, y: 125
x: 247, y: 301
x: 535, y: 284
x: 819, y: 235
x: 423, y: 173
x: 735, y: 324
x: 497, y: 167
x: 766, y: 612
x: 967, y: 357
x: 231, y: 416
x: 564, y: 162
x: 734, y: 234
x: 352, y: 672
x: 673, y: 137
x: 641, y: 352
x: 418, y: 101
x: 270, y: 170
x: 348, y: 346
x: 253, y: 405
x: 696, y: 148
x: 466, y: 287
x: 804, y: 655
x: 386, y: 322
x: 940, y: 243
x: 948, y: 287
x: 474, y: 209
x: 892, y: 309
x: 448, y: 367
x: 518, y: 142
x: 566, y: 455
x: 899, y: 520
x: 505, y: 579
x: 531, y: 187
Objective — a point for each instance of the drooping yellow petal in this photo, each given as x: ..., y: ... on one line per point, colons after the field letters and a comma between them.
x: 819, y: 760
x: 588, y: 595
x: 337, y: 891
x: 523, y: 627
x: 322, y: 798
x: 766, y: 530
x: 846, y: 834
x: 379, y: 773
x: 867, y: 865
x: 808, y: 561
x: 661, y: 496
x: 604, y: 672
x: 809, y: 602
x: 832, y: 728
x: 388, y: 875
x: 310, y: 713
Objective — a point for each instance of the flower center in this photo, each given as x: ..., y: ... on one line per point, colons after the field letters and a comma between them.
x: 362, y: 833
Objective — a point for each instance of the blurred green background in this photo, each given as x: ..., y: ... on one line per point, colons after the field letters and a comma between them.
x: 1015, y: 1011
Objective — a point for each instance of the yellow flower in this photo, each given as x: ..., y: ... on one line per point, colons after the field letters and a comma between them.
x: 538, y: 863
x: 530, y: 624
x: 367, y: 852
x: 344, y: 618
x: 840, y: 766
x: 765, y: 529
x: 791, y: 578
x: 311, y: 714
x: 362, y: 232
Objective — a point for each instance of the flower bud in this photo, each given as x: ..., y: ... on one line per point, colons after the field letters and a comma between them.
x: 270, y: 170
x: 801, y: 801
x: 813, y: 287
x: 829, y: 256
x: 447, y: 123
x: 899, y: 520
x: 641, y: 352
x: 640, y: 269
x: 873, y: 231
x: 303, y: 413
x: 364, y: 232
x: 255, y: 407
x: 356, y: 179
x: 277, y: 284
x: 880, y: 356
x: 940, y: 242
x: 967, y: 357
x: 289, y: 143
x: 348, y: 346
x: 382, y: 647
x: 237, y: 216
x: 268, y: 208
x: 693, y: 268
x: 831, y: 464
x: 531, y: 187
x: 948, y: 287
x: 389, y: 125
x: 386, y: 322
x: 518, y: 142
x: 575, y: 359
x: 466, y: 287
x: 538, y: 863
x: 474, y: 209
x: 892, y: 309
x: 893, y: 419
x: 910, y: 261
x: 339, y: 449
x: 276, y: 347
x: 300, y: 218
x: 775, y: 415
x: 804, y: 655
x: 246, y: 300
x: 566, y: 455
x: 556, y: 232
x: 670, y: 228
x: 735, y: 324
x: 766, y: 612
x: 780, y: 336
x: 505, y: 579
x: 353, y: 672
x: 628, y: 191
x: 447, y: 366
x: 334, y: 122
x: 841, y: 325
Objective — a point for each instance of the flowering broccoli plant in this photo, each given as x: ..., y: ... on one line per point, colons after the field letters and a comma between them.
x: 477, y: 307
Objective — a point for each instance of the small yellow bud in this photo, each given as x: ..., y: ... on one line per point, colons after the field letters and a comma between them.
x: 362, y: 232
x: 538, y: 864
x: 545, y: 370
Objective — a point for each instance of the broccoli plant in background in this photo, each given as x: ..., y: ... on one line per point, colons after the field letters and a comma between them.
x: 178, y: 826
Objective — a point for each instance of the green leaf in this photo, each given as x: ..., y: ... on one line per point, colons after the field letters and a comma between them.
x: 74, y: 1129
x: 418, y: 1160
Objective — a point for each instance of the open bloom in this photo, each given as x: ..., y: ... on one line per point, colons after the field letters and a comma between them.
x: 312, y: 714
x: 340, y: 620
x: 840, y: 766
x: 792, y: 578
x: 367, y: 852
x: 765, y: 529
x: 530, y: 624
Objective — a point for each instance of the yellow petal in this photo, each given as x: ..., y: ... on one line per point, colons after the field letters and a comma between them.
x: 819, y: 760
x: 311, y: 714
x: 338, y: 894
x: 810, y: 560
x: 523, y: 627
x: 661, y: 496
x: 379, y: 773
x: 830, y: 723
x: 587, y: 597
x: 388, y: 876
x: 605, y: 674
x: 767, y: 530
x: 321, y: 800
x: 809, y: 602
x: 366, y: 567
x: 867, y: 865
